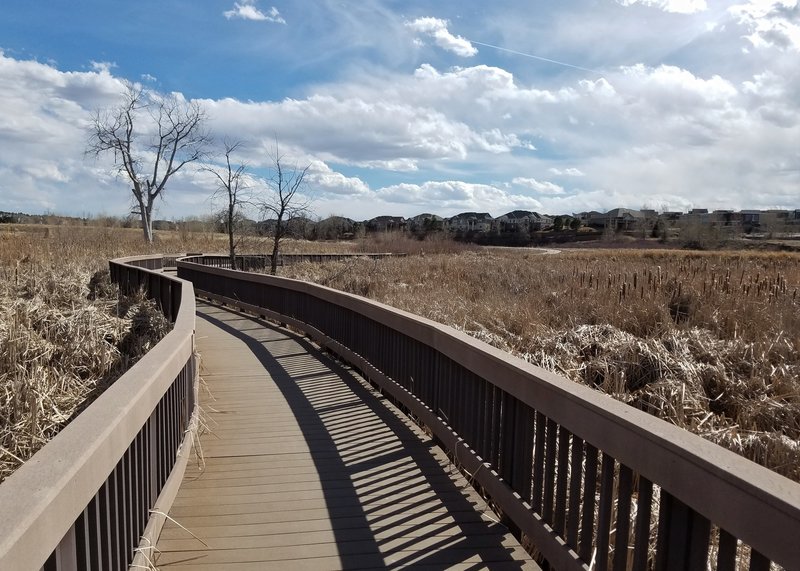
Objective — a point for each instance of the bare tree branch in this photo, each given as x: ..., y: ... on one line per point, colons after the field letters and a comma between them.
x: 232, y: 186
x: 283, y: 201
x: 179, y: 138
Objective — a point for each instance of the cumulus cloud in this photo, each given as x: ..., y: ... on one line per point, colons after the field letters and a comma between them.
x: 321, y: 178
x: 674, y: 6
x: 363, y: 129
x: 540, y: 186
x: 569, y: 171
x: 102, y: 66
x: 437, y: 29
x: 452, y: 195
x: 247, y: 10
x: 771, y: 24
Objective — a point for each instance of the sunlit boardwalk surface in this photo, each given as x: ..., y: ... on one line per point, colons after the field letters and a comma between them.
x: 306, y: 468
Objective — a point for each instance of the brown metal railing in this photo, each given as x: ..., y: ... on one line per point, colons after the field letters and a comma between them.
x: 85, y: 500
x: 589, y: 481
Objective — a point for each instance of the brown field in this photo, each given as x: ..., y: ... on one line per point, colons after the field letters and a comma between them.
x: 58, y: 348
x: 708, y: 341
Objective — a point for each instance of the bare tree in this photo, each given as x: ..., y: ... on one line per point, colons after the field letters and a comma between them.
x: 173, y: 133
x: 283, y: 201
x: 232, y: 186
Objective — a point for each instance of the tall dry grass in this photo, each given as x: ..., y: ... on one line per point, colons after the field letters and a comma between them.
x: 65, y: 335
x: 708, y: 341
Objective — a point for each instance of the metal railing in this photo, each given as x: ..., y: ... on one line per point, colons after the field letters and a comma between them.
x: 85, y: 500
x: 591, y: 482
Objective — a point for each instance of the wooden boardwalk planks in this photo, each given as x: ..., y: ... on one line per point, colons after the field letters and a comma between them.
x: 307, y: 468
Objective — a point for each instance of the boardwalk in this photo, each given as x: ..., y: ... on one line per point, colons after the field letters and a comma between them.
x: 306, y: 468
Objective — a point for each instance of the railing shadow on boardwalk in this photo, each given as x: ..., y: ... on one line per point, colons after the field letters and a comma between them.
x: 349, y: 447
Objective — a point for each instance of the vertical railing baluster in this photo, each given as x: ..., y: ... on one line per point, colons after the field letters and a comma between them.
x: 758, y: 562
x: 550, y: 471
x: 587, y: 510
x: 644, y: 511
x: 506, y: 451
x: 561, y: 481
x: 94, y: 535
x: 726, y: 551
x: 576, y: 478
x: 105, y: 527
x: 623, y: 518
x: 604, y: 513
x: 665, y: 525
x: 698, y: 538
x: 538, y: 463
x: 82, y: 541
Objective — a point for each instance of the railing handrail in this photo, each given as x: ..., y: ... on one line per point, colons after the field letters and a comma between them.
x: 41, y: 501
x: 756, y: 505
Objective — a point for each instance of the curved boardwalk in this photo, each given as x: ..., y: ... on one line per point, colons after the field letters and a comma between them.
x: 307, y: 468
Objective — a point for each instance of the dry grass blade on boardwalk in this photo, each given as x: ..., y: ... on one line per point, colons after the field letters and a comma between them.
x: 306, y: 467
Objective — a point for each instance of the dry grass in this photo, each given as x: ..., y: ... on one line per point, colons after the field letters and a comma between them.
x: 59, y: 349
x: 709, y: 342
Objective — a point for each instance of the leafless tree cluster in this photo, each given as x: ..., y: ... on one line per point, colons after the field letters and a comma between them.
x: 153, y: 136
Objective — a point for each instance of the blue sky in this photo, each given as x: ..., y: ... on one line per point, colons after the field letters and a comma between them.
x: 403, y: 107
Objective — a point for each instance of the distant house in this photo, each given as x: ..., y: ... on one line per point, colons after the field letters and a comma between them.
x: 698, y: 216
x: 750, y: 218
x: 386, y: 224
x: 335, y: 228
x: 522, y: 221
x: 592, y: 218
x: 624, y: 218
x: 617, y: 218
x: 671, y: 217
x: 425, y: 222
x: 470, y: 222
x: 725, y: 218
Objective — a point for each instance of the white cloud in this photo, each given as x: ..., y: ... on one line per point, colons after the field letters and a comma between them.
x: 453, y: 195
x: 569, y: 171
x: 322, y: 179
x: 437, y: 29
x: 362, y: 129
x: 149, y: 78
x: 770, y: 23
x: 674, y: 6
x: 540, y: 186
x: 247, y: 10
x: 102, y: 66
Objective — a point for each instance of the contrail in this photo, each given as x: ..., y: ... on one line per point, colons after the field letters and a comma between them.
x: 537, y: 57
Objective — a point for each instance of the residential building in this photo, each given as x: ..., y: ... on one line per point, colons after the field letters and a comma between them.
x: 386, y: 223
x: 470, y: 222
x: 522, y: 221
